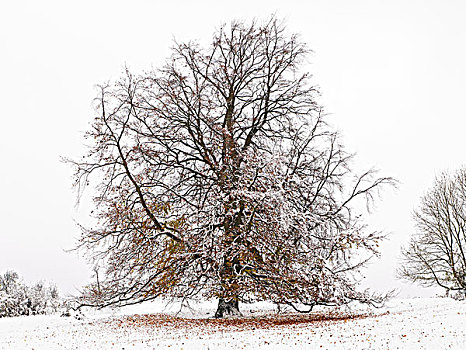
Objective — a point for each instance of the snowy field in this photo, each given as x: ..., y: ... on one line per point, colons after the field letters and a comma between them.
x: 437, y: 323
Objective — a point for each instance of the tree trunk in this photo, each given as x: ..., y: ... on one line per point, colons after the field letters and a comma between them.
x: 227, y: 308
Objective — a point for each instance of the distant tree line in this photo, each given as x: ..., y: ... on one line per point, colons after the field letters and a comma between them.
x: 18, y: 299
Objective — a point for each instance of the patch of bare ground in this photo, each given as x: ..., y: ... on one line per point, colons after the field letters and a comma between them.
x: 233, y: 324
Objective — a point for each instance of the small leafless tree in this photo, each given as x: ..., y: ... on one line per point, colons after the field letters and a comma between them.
x: 219, y: 177
x: 436, y: 254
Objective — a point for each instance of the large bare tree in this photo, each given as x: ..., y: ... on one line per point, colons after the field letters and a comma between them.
x: 218, y: 177
x: 436, y: 254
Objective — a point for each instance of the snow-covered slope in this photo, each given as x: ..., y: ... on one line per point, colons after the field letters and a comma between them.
x: 437, y: 323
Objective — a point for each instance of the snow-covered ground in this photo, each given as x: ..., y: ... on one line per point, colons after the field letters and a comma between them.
x: 436, y: 323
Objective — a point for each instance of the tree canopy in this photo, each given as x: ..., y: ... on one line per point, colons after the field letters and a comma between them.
x: 217, y: 176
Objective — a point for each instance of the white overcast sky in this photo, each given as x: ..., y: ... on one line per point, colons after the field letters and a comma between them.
x: 392, y: 75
